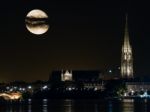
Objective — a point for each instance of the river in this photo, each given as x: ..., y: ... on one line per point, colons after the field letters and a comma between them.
x: 126, y: 105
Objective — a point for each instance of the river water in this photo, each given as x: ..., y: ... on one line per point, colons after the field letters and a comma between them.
x: 126, y: 105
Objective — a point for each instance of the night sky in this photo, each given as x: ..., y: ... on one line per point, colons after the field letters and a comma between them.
x: 84, y: 35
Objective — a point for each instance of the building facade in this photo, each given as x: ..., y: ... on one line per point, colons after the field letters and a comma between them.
x: 66, y: 76
x: 74, y: 80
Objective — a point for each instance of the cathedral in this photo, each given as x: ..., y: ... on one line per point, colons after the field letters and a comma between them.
x: 126, y: 58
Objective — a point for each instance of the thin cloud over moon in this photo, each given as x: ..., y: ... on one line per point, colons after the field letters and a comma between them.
x: 36, y: 22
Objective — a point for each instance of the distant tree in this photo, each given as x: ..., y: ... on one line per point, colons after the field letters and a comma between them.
x: 141, y: 92
x: 115, y: 88
x: 26, y: 95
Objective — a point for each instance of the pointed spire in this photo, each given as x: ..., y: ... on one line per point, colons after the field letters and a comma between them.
x: 126, y: 35
x: 127, y: 59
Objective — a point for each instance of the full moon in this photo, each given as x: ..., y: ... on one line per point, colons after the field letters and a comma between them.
x: 37, y: 22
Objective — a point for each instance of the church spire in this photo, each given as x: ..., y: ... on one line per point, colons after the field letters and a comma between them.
x: 126, y: 35
x: 127, y: 59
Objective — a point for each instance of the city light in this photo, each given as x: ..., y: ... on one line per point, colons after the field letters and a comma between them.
x: 95, y: 89
x: 11, y: 90
x: 145, y: 95
x: 29, y: 87
x: 7, y: 88
x: 45, y: 87
x: 110, y: 71
x: 69, y: 88
x: 20, y: 89
x: 15, y: 87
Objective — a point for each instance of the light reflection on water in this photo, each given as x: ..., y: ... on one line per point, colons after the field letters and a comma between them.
x: 45, y: 109
x: 68, y: 105
x: 126, y: 105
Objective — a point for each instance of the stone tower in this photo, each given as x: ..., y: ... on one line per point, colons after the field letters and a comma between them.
x: 126, y: 59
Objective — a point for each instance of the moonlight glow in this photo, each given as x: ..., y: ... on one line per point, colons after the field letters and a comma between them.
x: 36, y: 22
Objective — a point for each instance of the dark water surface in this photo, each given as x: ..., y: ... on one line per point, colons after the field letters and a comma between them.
x: 126, y: 105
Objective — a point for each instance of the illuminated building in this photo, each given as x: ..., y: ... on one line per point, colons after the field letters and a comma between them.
x: 72, y: 80
x: 126, y: 59
x: 138, y: 86
x: 75, y: 76
x: 67, y: 76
